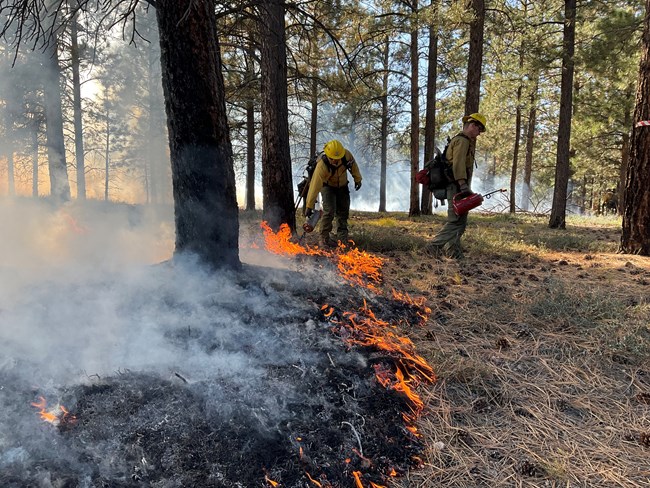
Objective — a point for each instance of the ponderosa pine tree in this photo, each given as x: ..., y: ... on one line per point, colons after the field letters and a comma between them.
x: 276, y: 158
x: 636, y: 216
x: 558, y: 210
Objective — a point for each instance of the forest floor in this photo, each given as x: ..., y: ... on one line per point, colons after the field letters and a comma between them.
x: 540, y: 341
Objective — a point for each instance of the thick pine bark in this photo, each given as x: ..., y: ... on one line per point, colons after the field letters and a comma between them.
x: 205, y: 203
x: 558, y: 209
x: 277, y: 185
x: 635, y: 238
x: 59, y: 183
x: 414, y: 208
x: 430, y: 121
x: 475, y: 60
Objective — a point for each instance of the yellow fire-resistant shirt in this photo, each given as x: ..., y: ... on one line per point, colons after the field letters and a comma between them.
x: 460, y: 154
x: 336, y: 178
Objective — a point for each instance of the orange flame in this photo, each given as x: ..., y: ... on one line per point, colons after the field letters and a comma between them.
x: 280, y: 243
x: 357, y: 478
x: 55, y: 415
x: 355, y: 266
x: 271, y: 482
x: 313, y: 480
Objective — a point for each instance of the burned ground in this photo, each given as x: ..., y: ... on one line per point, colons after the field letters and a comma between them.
x: 311, y: 407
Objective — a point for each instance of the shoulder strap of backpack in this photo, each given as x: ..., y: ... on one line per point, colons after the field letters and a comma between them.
x: 332, y: 168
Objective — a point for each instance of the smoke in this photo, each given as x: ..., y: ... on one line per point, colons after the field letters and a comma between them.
x: 87, y: 292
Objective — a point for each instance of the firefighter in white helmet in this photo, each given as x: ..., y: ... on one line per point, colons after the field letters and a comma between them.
x: 460, y: 154
x: 330, y: 179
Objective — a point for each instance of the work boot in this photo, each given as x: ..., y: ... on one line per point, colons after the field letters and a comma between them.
x: 326, y: 241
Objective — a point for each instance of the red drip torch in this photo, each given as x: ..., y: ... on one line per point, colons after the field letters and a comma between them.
x: 312, y: 221
x: 467, y: 202
x: 310, y: 224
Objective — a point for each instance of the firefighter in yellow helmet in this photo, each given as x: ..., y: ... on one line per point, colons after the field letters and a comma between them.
x: 330, y: 179
x: 460, y: 154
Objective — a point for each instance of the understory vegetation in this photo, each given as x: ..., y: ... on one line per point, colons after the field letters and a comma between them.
x: 540, y: 342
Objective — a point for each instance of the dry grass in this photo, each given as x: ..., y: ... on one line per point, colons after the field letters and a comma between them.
x: 540, y: 341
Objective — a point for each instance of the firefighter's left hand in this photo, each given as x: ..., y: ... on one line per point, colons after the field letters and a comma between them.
x: 309, y: 212
x: 357, y: 185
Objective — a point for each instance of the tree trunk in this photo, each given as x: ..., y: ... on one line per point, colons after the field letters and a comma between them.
x: 250, y: 155
x: 558, y: 209
x: 530, y: 140
x: 475, y: 59
x: 157, y: 160
x: 107, y: 152
x: 313, y: 126
x: 78, y: 124
x: 625, y: 155
x: 59, y: 184
x: 250, y: 127
x: 34, y: 133
x: 203, y: 177
x: 277, y: 184
x: 515, y: 153
x: 414, y: 208
x: 635, y: 238
x: 430, y: 120
x: 384, y: 127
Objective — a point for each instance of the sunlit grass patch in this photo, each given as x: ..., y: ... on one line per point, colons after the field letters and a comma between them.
x: 561, y: 307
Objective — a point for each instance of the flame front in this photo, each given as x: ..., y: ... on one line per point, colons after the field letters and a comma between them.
x: 364, y: 328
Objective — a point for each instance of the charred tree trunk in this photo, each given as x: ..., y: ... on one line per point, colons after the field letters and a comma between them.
x: 384, y: 128
x: 430, y: 121
x: 205, y: 202
x: 558, y: 209
x: 530, y: 141
x: 635, y: 238
x: 76, y: 102
x: 475, y: 61
x: 277, y: 184
x: 414, y: 208
x: 59, y: 183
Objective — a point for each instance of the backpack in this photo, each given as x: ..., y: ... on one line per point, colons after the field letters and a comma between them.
x: 303, y: 186
x: 437, y: 173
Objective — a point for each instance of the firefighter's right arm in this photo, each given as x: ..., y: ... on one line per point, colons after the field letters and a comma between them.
x: 319, y: 177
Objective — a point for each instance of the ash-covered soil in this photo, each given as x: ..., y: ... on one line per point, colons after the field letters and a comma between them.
x: 256, y: 388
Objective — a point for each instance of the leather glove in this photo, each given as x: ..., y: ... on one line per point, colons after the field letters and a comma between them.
x: 464, y: 188
x: 309, y: 212
x: 357, y: 185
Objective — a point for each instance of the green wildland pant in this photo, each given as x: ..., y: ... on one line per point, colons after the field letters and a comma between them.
x: 448, y: 239
x: 336, y: 203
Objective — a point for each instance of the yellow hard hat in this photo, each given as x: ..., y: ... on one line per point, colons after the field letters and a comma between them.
x: 476, y: 117
x: 334, y: 149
